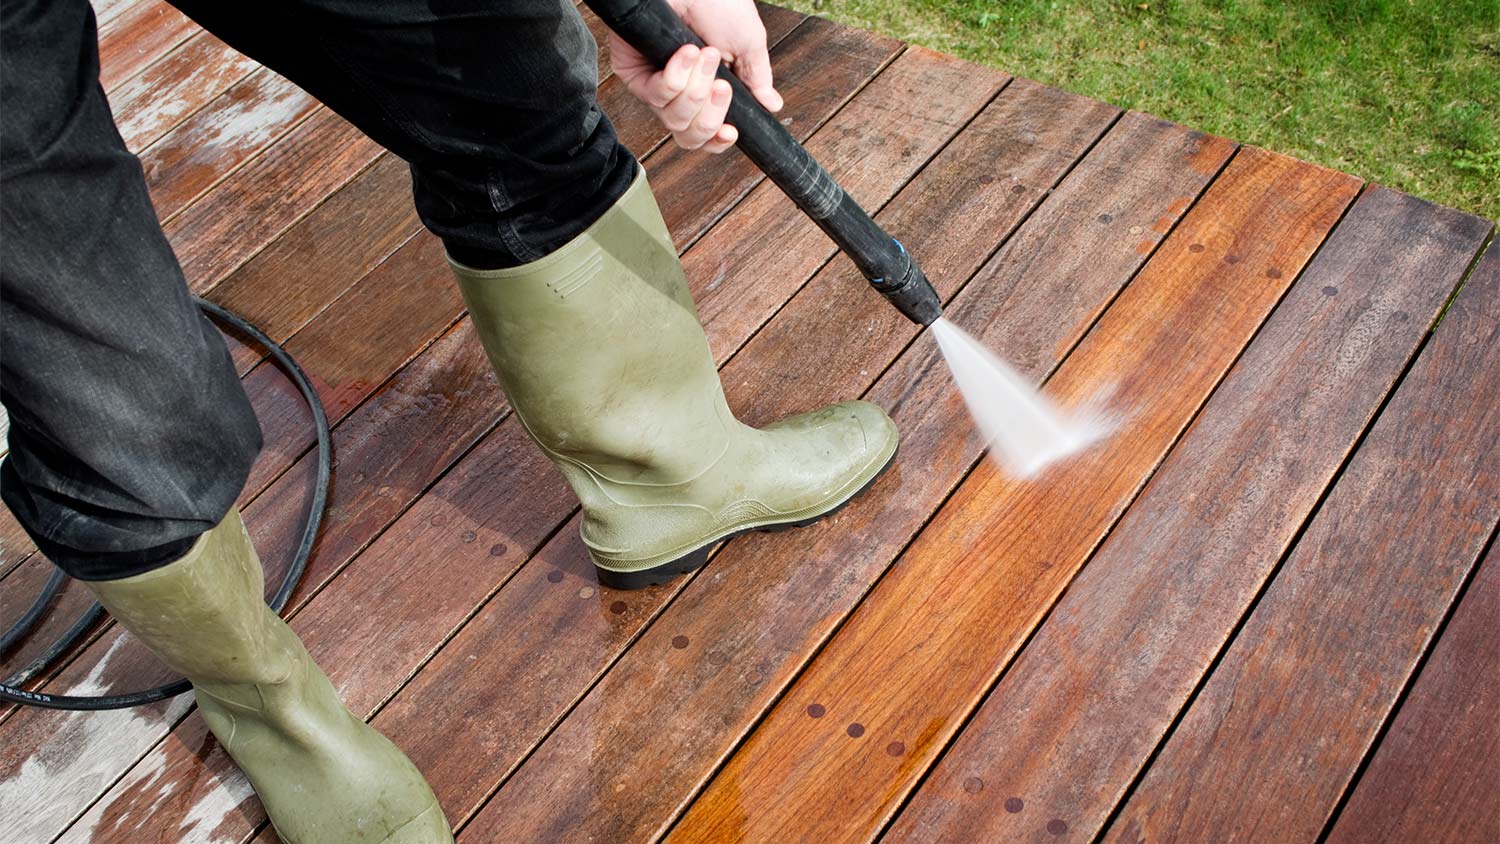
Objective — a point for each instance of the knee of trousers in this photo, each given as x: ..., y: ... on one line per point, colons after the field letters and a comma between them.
x: 131, y: 478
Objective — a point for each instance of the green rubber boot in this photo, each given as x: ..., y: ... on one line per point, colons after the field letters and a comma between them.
x: 324, y: 776
x: 599, y: 348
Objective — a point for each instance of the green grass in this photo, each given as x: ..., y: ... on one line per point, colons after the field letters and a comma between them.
x: 1402, y: 92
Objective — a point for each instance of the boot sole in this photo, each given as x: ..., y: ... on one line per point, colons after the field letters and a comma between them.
x: 626, y: 581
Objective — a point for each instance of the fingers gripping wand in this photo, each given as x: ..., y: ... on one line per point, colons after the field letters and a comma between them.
x: 657, y: 32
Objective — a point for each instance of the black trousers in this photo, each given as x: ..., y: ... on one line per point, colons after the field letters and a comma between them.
x: 129, y: 433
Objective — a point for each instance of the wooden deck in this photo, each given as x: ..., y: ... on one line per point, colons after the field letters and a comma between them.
x: 1265, y: 610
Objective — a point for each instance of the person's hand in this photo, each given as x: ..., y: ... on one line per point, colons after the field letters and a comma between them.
x: 685, y: 95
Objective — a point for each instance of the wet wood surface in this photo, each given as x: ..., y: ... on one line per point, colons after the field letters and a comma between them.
x: 815, y: 685
x: 1188, y: 558
x: 756, y: 638
x: 1302, y: 691
x: 1432, y: 778
x: 837, y: 755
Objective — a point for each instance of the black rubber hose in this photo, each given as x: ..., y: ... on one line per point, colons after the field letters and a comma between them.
x: 657, y: 32
x: 11, y: 689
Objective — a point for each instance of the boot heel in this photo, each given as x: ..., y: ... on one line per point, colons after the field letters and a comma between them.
x: 627, y: 581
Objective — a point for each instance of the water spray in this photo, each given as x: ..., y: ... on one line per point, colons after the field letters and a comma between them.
x: 1026, y: 431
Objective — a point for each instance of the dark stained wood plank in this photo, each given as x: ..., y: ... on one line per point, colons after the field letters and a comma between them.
x: 762, y: 605
x: 1296, y: 702
x: 544, y: 674
x: 371, y: 504
x: 390, y: 451
x: 375, y: 328
x: 1074, y: 719
x: 15, y: 545
x: 135, y: 38
x: 1433, y: 775
x: 900, y: 676
x: 266, y: 196
x: 17, y: 592
x: 168, y: 92
x: 299, y: 274
x: 251, y: 115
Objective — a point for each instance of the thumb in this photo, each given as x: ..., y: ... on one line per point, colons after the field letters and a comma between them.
x: 754, y: 69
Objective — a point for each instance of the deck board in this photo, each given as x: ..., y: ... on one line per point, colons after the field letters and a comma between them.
x: 1432, y: 778
x: 135, y: 38
x: 1284, y: 720
x: 188, y: 160
x: 450, y: 565
x: 897, y: 681
x: 1190, y: 556
x: 175, y: 88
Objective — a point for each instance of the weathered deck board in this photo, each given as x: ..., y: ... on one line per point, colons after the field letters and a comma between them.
x: 763, y: 605
x: 388, y: 461
x: 1432, y: 778
x: 176, y: 87
x: 136, y: 37
x: 214, y: 142
x: 898, y: 679
x: 263, y: 198
x: 1062, y: 747
x: 107, y: 10
x: 1284, y: 720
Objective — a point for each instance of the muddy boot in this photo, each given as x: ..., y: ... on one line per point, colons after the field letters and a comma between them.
x: 599, y: 348
x: 324, y: 776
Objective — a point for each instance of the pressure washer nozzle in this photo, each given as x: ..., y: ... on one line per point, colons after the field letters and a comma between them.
x: 911, y: 292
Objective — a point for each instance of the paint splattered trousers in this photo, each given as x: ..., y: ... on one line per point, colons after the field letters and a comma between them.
x: 129, y: 432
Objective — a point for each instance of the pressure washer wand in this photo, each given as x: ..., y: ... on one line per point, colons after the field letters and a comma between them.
x: 657, y: 32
